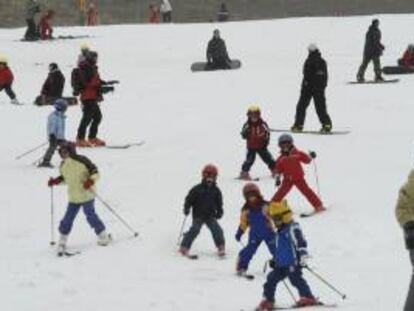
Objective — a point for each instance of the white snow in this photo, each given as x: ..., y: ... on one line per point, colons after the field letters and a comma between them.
x: 188, y: 120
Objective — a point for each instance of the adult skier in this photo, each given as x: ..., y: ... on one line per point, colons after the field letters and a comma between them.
x: 289, y: 258
x: 257, y: 135
x: 56, y: 122
x: 372, y: 52
x: 254, y: 215
x: 405, y: 217
x: 217, y: 56
x: 32, y: 8
x: 206, y: 203
x: 166, y: 11
x: 80, y: 175
x: 289, y: 165
x: 315, y: 80
x: 53, y: 86
x: 6, y: 80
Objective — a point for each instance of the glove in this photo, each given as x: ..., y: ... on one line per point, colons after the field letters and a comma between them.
x: 278, y: 182
x: 54, y: 181
x: 186, y: 212
x: 239, y: 234
x: 303, y: 260
x: 88, y: 184
x: 219, y: 214
x: 409, y: 234
x: 312, y: 154
x: 272, y: 264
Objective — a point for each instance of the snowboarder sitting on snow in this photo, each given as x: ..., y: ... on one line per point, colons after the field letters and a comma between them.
x: 289, y: 258
x: 257, y: 135
x: 6, y: 80
x: 206, y: 202
x: 217, y: 57
x: 80, y: 175
x: 53, y: 86
x: 289, y: 165
x: 315, y: 80
x: 55, y: 130
x: 254, y: 215
x: 372, y: 52
x: 45, y: 27
x: 408, y: 58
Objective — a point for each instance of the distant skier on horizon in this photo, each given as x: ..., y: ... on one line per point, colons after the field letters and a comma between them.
x: 372, y: 52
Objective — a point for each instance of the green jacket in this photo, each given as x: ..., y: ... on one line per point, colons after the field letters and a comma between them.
x: 75, y: 170
x: 32, y: 8
x: 405, y: 203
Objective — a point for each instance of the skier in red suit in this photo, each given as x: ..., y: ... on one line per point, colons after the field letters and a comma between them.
x: 289, y: 165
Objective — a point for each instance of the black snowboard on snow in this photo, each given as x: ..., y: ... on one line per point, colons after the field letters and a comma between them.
x: 40, y: 101
x: 68, y: 37
x: 312, y: 132
x: 397, y: 70
x: 374, y: 81
x: 201, y: 66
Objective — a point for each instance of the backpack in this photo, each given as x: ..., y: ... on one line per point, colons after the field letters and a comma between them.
x: 77, y: 81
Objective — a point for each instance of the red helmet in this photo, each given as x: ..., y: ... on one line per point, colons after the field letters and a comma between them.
x: 251, y: 188
x: 209, y: 170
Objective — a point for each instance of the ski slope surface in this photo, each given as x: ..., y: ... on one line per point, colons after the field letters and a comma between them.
x: 188, y: 120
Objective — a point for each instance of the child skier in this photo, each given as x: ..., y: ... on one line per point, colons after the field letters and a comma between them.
x: 6, y: 80
x: 80, y: 175
x: 55, y: 130
x: 289, y: 165
x: 257, y: 135
x: 289, y: 258
x: 254, y: 215
x: 206, y: 202
x: 46, y: 30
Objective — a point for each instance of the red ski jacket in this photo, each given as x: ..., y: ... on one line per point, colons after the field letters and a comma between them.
x: 408, y: 58
x: 6, y: 77
x: 92, y: 89
x: 257, y: 134
x: 290, y: 166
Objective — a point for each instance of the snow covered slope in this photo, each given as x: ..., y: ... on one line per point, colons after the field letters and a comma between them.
x: 188, y: 120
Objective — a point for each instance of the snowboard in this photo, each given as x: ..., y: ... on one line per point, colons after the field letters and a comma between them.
x: 397, y: 70
x: 57, y: 38
x: 374, y: 82
x: 201, y: 66
x: 312, y: 132
x: 47, y: 101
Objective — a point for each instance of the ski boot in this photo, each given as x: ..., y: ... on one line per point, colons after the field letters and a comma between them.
x: 306, y: 302
x: 245, y: 176
x: 326, y: 129
x: 45, y: 164
x: 61, y: 249
x: 296, y: 128
x: 183, y: 251
x: 265, y: 305
x: 360, y: 78
x: 82, y: 143
x: 104, y: 238
x: 379, y: 78
x: 320, y: 209
x: 221, y: 251
x: 96, y: 142
x: 14, y: 101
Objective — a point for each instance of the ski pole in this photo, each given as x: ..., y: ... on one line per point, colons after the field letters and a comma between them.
x: 343, y: 296
x: 315, y: 169
x: 182, y: 229
x: 115, y: 214
x: 31, y: 150
x: 290, y: 292
x: 52, y: 218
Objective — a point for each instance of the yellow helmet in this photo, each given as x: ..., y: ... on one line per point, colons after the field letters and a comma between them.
x: 3, y: 59
x: 253, y: 109
x: 280, y: 212
x: 85, y: 46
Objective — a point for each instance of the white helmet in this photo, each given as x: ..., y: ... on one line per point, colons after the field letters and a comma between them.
x: 312, y: 47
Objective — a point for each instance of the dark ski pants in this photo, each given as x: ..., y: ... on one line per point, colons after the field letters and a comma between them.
x: 192, y: 233
x: 8, y: 90
x: 409, y: 303
x: 53, y: 144
x: 302, y: 186
x: 73, y: 209
x: 247, y: 253
x: 31, y: 32
x: 263, y: 153
x: 166, y: 17
x: 91, y: 116
x: 218, y: 63
x: 294, y: 274
x: 306, y: 95
x: 377, y: 66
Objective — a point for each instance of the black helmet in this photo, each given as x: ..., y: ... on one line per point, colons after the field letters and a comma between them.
x: 68, y: 146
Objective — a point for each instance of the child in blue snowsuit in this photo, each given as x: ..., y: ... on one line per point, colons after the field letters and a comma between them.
x: 254, y: 215
x: 55, y: 130
x: 289, y: 258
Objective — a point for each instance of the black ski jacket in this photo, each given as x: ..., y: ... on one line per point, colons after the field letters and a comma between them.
x: 216, y: 50
x: 205, y: 200
x: 315, y: 71
x: 54, y: 84
x: 373, y: 46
